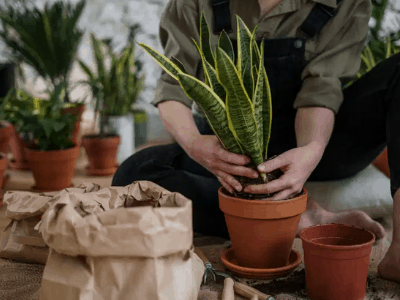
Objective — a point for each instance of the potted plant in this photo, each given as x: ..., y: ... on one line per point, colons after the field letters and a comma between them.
x: 50, y: 152
x: 115, y: 89
x: 16, y: 105
x: 47, y: 40
x: 236, y: 101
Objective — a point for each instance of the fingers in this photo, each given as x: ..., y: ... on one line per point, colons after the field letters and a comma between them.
x: 283, y: 195
x: 273, y: 164
x: 225, y: 185
x: 229, y: 180
x: 237, y: 170
x: 232, y: 158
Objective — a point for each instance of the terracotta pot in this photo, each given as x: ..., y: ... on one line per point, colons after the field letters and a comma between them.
x: 75, y: 111
x: 18, y: 149
x: 336, y: 259
x: 52, y: 170
x: 102, y: 153
x: 261, y: 231
x: 3, y: 167
x: 382, y: 163
x: 5, y: 136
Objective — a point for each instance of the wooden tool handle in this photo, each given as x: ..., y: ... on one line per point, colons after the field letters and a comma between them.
x: 248, y: 292
x: 228, y: 292
x: 201, y: 254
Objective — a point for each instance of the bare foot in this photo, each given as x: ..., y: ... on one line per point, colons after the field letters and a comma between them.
x: 315, y: 215
x: 389, y: 268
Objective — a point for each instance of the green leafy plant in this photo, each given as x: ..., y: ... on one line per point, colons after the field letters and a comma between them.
x: 115, y: 88
x: 235, y: 98
x: 41, y: 120
x: 46, y: 40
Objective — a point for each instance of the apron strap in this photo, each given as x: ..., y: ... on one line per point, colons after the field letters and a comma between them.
x: 222, y: 16
x: 318, y: 18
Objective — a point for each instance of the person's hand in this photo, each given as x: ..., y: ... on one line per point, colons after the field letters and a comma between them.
x: 296, y: 164
x: 208, y: 152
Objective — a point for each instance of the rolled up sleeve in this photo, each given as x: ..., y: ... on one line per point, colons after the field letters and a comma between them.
x: 178, y: 26
x: 339, y: 58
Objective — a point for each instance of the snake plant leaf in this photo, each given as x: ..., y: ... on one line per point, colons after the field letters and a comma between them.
x: 214, y: 107
x: 255, y: 51
x: 266, y: 106
x: 179, y: 64
x: 205, y: 42
x: 211, y: 75
x: 239, y: 107
x: 225, y: 43
x: 258, y: 99
x: 244, y: 66
x: 165, y: 63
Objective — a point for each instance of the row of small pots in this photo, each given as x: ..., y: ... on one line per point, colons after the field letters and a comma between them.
x: 54, y: 170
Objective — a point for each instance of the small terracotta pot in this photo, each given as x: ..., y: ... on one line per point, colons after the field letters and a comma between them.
x: 336, y: 259
x: 382, y: 163
x: 102, y: 153
x: 261, y: 231
x: 75, y: 111
x: 18, y: 149
x: 52, y: 170
x: 5, y: 136
x: 3, y: 167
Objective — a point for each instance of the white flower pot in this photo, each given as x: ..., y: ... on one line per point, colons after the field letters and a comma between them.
x: 124, y: 127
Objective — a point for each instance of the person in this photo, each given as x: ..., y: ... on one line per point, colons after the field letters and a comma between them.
x: 320, y: 130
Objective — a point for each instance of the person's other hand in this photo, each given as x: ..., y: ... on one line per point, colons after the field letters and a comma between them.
x: 296, y: 164
x: 208, y: 152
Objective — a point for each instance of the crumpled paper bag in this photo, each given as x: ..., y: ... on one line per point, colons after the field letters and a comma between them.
x: 133, y: 242
x: 21, y: 240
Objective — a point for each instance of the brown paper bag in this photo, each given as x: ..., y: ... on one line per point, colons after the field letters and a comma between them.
x: 138, y: 245
x: 21, y: 240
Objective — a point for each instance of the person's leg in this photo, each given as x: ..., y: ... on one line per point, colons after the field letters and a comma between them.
x: 366, y: 122
x: 171, y: 168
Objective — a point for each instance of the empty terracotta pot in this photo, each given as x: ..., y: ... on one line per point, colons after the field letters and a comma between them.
x: 382, y: 163
x: 6, y: 131
x: 336, y: 259
x: 18, y: 149
x: 76, y: 110
x: 262, y: 231
x: 102, y: 153
x: 52, y: 170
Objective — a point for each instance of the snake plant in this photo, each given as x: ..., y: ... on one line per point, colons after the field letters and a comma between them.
x: 235, y: 96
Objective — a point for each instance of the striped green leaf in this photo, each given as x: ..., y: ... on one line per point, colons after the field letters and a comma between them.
x: 225, y: 43
x: 259, y: 98
x: 214, y: 107
x: 211, y: 75
x: 205, y: 42
x: 239, y: 107
x: 255, y: 51
x: 244, y: 66
x: 165, y: 63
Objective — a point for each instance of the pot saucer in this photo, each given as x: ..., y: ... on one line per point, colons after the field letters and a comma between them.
x: 17, y: 165
x: 100, y: 172
x: 229, y: 261
x: 36, y: 190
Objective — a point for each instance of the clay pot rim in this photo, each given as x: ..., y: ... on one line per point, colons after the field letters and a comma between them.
x: 261, y: 201
x: 256, y: 271
x: 52, y: 151
x: 336, y: 247
x: 98, y: 137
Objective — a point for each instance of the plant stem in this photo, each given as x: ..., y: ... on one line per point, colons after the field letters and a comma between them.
x: 264, y: 177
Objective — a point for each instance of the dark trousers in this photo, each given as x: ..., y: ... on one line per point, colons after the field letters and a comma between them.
x: 368, y: 120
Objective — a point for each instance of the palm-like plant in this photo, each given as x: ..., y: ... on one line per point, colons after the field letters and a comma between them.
x: 46, y: 40
x: 235, y: 98
x: 115, y: 88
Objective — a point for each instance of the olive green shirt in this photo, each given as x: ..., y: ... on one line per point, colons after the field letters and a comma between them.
x: 333, y: 55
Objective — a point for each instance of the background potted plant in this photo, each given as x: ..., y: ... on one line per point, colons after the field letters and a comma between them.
x: 115, y: 89
x: 50, y: 151
x: 46, y: 40
x: 236, y: 101
x: 16, y: 106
